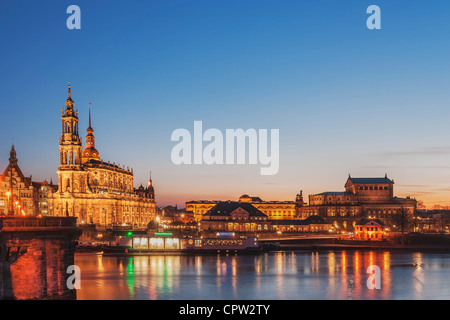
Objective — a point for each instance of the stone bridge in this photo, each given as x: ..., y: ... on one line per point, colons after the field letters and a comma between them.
x: 34, y: 256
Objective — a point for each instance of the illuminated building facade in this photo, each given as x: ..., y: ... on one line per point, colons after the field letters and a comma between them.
x: 95, y: 191
x: 19, y: 195
x: 310, y: 224
x: 363, y: 198
x: 275, y: 210
x: 369, y: 229
x: 235, y: 216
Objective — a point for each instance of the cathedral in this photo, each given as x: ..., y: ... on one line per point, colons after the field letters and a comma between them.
x: 91, y: 189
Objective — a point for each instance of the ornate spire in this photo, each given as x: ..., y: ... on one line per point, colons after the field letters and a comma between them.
x: 89, y: 115
x: 69, y: 102
x: 89, y: 130
x: 150, y: 191
x: 13, y: 156
x: 90, y: 153
x: 150, y: 180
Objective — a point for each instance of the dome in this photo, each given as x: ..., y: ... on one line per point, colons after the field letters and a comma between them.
x: 69, y: 102
x: 90, y: 154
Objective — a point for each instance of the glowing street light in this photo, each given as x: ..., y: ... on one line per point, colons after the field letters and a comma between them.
x: 8, y: 194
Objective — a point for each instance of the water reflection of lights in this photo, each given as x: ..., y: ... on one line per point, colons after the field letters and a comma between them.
x: 386, y: 275
x: 234, y: 279
x: 257, y: 262
x: 418, y: 275
x: 332, y: 275
x: 356, y: 260
x: 344, y: 261
x: 331, y: 263
x: 315, y: 262
x: 386, y: 260
x: 331, y: 271
x: 100, y: 263
x: 130, y: 277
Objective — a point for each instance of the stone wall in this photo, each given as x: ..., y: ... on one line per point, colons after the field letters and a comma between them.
x: 34, y: 256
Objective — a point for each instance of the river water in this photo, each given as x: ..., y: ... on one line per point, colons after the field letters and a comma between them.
x: 276, y: 275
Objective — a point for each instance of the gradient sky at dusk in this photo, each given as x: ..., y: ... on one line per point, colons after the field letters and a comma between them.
x: 346, y: 99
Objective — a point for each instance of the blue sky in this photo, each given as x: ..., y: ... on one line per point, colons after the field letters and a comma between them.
x: 346, y: 99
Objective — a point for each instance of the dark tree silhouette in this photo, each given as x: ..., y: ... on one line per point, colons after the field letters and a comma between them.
x: 403, y: 221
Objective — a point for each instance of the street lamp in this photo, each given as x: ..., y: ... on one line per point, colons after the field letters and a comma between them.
x: 8, y: 194
x: 157, y: 223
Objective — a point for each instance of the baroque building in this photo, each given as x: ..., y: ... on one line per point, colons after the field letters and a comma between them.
x: 371, y: 198
x: 235, y: 216
x: 91, y: 189
x: 310, y: 224
x: 19, y: 195
x: 275, y: 210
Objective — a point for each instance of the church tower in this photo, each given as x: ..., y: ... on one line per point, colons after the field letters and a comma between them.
x: 299, y: 203
x: 69, y: 143
x: 70, y: 147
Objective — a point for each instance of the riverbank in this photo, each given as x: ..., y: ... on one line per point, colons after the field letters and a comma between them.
x: 364, y: 247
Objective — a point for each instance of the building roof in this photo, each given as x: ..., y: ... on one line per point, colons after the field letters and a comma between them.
x: 363, y: 222
x: 252, y: 199
x: 203, y: 202
x: 307, y: 221
x: 226, y: 208
x: 370, y: 180
x: 97, y: 163
x: 331, y: 193
x: 288, y: 222
x: 315, y: 220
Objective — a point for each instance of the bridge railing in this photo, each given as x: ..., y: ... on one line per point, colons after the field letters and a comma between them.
x: 35, y: 222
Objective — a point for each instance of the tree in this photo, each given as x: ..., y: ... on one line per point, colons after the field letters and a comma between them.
x: 421, y: 205
x: 152, y: 225
x: 402, y: 221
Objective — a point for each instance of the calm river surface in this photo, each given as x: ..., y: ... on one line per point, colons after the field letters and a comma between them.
x: 277, y: 275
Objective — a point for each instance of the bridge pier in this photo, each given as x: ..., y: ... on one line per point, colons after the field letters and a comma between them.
x: 34, y: 256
